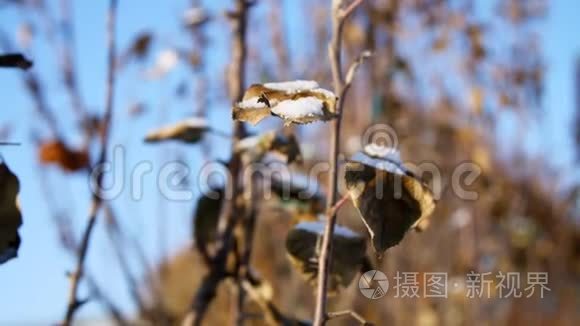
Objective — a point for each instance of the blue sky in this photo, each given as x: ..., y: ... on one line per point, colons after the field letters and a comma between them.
x: 34, y: 287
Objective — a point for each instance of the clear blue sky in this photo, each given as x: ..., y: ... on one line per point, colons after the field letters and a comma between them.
x: 33, y: 288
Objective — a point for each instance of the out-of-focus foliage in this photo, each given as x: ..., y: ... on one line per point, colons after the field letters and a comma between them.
x: 10, y: 217
x: 444, y: 75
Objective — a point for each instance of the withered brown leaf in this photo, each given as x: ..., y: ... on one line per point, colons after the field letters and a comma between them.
x: 303, y: 246
x: 390, y: 199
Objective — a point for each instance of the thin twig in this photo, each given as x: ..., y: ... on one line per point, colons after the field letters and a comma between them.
x: 344, y: 13
x: 73, y: 302
x: 332, y: 211
x: 354, y: 315
x: 107, y: 303
x: 228, y: 217
x: 334, y: 48
x: 68, y: 65
x: 118, y: 245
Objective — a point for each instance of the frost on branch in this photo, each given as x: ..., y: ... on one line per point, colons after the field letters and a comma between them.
x: 303, y: 247
x: 10, y: 217
x: 389, y: 198
x: 297, y: 102
x: 190, y: 131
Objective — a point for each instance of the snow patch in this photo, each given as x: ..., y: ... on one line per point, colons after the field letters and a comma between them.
x: 195, y: 122
x: 299, y: 108
x: 384, y: 152
x: 326, y: 93
x: 251, y: 103
x: 292, y: 87
x: 317, y: 227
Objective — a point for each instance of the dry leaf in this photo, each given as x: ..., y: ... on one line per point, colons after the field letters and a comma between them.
x: 255, y: 147
x: 141, y: 45
x: 14, y: 60
x: 298, y: 190
x: 190, y: 131
x: 389, y: 198
x: 348, y: 255
x: 10, y: 217
x: 297, y: 102
x: 56, y: 152
x: 206, y: 219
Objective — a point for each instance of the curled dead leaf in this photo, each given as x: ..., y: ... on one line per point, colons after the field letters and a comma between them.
x: 10, y: 217
x: 389, y: 198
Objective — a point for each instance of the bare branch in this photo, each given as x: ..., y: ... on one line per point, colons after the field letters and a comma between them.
x: 334, y: 52
x: 207, y: 291
x: 96, y: 198
x: 344, y: 13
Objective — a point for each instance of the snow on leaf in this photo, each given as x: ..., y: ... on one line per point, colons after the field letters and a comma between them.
x: 303, y: 247
x: 294, y: 101
x: 190, y: 131
x: 389, y: 198
x: 317, y: 227
x: 383, y: 152
x: 10, y: 217
x: 194, y: 17
x: 293, y: 87
x: 251, y: 110
x: 380, y: 157
x: 302, y: 110
x: 165, y: 62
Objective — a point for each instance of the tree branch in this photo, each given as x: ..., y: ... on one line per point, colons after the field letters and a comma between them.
x: 334, y: 48
x: 228, y: 217
x: 73, y: 301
